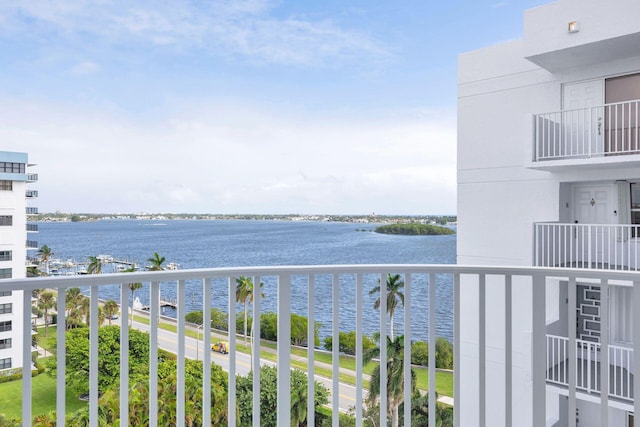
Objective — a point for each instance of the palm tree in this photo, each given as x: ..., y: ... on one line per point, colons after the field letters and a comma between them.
x: 110, y: 309
x: 85, y: 309
x: 95, y: 265
x: 394, y: 295
x: 72, y: 302
x: 395, y: 376
x: 46, y: 301
x: 156, y: 262
x: 33, y: 271
x: 244, y: 294
x: 45, y: 253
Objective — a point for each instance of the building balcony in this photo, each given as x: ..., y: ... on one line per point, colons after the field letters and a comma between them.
x: 604, y: 135
x: 590, y: 246
x: 32, y: 177
x: 31, y: 210
x: 32, y: 228
x: 31, y: 244
x: 31, y: 194
x: 587, y: 367
x: 296, y: 289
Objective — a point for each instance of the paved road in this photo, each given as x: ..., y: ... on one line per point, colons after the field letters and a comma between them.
x: 167, y: 340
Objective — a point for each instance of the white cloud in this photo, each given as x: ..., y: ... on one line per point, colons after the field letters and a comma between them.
x: 238, y: 159
x: 247, y: 29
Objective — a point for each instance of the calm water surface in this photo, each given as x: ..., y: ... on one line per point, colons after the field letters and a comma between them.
x: 201, y: 244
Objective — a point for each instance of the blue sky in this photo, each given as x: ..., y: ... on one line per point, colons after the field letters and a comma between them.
x: 248, y: 106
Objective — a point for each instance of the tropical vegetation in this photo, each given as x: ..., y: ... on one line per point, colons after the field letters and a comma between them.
x: 395, y: 285
x: 414, y: 229
x: 156, y: 262
x: 245, y: 295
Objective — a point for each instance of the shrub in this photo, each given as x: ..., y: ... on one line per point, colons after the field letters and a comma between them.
x: 420, y: 353
x: 347, y: 344
x: 444, y: 354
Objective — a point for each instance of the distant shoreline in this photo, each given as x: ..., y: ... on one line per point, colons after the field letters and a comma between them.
x: 359, y: 219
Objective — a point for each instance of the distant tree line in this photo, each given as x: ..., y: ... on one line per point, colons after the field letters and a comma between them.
x: 414, y: 229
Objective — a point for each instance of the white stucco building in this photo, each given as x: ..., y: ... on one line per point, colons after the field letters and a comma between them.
x: 13, y: 251
x: 549, y: 175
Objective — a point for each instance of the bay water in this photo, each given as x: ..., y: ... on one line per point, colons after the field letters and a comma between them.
x: 237, y: 243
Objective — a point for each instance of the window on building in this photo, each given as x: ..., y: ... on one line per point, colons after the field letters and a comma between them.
x: 5, y: 343
x: 6, y: 185
x: 6, y: 308
x: 6, y: 220
x: 9, y: 167
x: 5, y: 326
x: 5, y: 255
x: 5, y: 363
x: 5, y: 293
x: 5, y: 273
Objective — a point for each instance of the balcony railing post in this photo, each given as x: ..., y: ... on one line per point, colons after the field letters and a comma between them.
x: 231, y: 402
x: 284, y: 350
x: 572, y: 359
x: 93, y: 357
x: 26, y: 358
x: 538, y: 349
x: 604, y: 352
x: 407, y: 347
x: 335, y: 355
x: 359, y: 349
x: 124, y: 357
x: 456, y: 348
x: 206, y: 351
x: 154, y: 313
x: 482, y: 353
x: 61, y: 327
x: 180, y: 374
x: 255, y: 357
x: 383, y: 349
x: 636, y: 342
x: 508, y: 378
x: 432, y: 354
x: 311, y: 333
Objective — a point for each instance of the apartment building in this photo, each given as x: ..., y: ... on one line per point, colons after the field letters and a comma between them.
x: 14, y: 245
x: 549, y: 175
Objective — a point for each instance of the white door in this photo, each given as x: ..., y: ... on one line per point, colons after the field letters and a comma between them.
x: 582, y: 120
x: 591, y: 207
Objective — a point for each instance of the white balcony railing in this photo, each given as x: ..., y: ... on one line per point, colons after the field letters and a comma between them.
x: 588, y: 366
x: 605, y: 130
x: 601, y: 246
x: 292, y: 286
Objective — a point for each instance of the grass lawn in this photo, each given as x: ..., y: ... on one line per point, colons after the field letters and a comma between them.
x: 48, y: 341
x: 44, y: 397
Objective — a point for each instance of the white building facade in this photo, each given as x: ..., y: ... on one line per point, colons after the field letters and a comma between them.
x: 13, y: 251
x: 549, y: 175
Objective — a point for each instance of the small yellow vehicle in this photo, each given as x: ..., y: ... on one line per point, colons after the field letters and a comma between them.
x: 221, y: 347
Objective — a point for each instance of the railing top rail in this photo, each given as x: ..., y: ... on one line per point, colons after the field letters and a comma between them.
x: 633, y: 101
x: 301, y: 270
x: 558, y: 337
x: 585, y: 224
